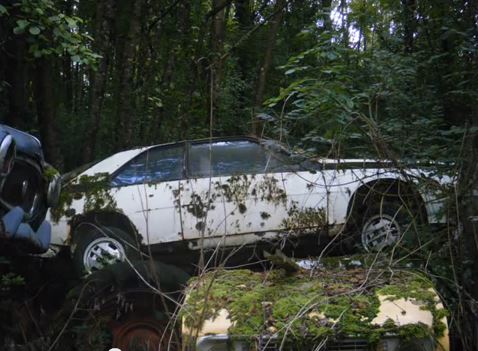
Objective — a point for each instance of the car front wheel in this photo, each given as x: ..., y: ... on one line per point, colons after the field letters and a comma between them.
x: 100, y: 247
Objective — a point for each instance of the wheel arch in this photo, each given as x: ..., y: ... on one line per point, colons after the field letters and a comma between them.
x: 390, y: 187
x: 91, y: 220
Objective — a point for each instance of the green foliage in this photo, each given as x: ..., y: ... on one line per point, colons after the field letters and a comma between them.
x: 310, y: 306
x: 11, y: 279
x: 370, y: 102
x: 49, y: 31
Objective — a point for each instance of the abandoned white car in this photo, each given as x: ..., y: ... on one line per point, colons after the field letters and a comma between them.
x: 235, y: 193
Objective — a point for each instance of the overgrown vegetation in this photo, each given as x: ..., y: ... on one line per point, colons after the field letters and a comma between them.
x: 384, y: 79
x: 309, y: 306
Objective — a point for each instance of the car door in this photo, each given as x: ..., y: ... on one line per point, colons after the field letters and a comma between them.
x: 202, y: 208
x: 229, y: 199
x: 148, y: 188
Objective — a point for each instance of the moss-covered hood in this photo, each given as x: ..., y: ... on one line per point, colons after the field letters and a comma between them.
x: 364, y: 302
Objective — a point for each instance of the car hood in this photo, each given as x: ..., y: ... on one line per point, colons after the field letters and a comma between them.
x: 113, y: 162
x: 359, y: 300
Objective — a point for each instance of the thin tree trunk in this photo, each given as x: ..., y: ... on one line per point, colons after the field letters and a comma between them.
x: 244, y: 19
x: 326, y: 8
x: 218, y: 34
x: 275, y: 23
x: 468, y: 197
x: 409, y: 23
x: 345, y: 23
x: 16, y: 75
x: 104, y: 18
x: 44, y: 83
x: 67, y: 79
x: 125, y: 101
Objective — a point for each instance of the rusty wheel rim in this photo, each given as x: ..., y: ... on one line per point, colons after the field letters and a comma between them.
x: 142, y: 335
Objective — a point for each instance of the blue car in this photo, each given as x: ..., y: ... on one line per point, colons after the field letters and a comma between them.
x: 28, y: 186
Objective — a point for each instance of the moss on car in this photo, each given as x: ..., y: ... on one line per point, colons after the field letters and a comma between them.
x: 312, y: 305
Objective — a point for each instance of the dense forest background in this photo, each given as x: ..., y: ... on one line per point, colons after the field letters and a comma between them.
x: 93, y: 77
x: 387, y: 78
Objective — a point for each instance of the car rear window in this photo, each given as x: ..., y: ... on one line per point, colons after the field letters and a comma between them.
x: 229, y: 158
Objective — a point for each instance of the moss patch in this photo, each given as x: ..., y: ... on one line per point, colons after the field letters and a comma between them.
x: 309, y: 305
x: 50, y: 172
x: 303, y: 219
x: 95, y: 190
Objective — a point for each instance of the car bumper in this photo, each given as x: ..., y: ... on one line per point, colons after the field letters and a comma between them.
x: 13, y: 229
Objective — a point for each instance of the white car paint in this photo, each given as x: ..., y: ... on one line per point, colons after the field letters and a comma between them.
x: 164, y: 212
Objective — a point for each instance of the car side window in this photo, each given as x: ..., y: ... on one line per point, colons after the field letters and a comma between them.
x: 152, y: 166
x: 230, y: 158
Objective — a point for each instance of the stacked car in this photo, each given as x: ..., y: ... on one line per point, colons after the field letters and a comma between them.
x: 28, y: 186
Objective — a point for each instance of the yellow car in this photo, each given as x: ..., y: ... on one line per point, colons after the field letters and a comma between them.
x: 352, y: 304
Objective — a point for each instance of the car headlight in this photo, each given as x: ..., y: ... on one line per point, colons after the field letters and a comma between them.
x: 7, y: 153
x: 396, y: 344
x: 54, y: 189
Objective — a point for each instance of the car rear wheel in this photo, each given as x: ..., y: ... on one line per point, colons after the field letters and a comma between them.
x: 384, y: 224
x: 100, y: 247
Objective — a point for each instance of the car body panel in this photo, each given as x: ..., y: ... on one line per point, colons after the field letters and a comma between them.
x: 238, y: 209
x: 160, y: 213
x: 113, y: 163
x: 290, y: 306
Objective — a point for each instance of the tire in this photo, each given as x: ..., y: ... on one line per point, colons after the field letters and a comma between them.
x: 100, y: 247
x: 384, y: 224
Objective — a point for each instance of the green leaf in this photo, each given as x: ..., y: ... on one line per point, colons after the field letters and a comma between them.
x: 3, y: 10
x: 34, y: 30
x: 18, y: 30
x: 71, y: 22
x: 76, y: 58
x: 22, y: 24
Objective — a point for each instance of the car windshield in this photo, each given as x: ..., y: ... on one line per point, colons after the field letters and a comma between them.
x: 155, y: 165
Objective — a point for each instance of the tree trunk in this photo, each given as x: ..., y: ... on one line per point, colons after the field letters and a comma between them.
x: 125, y: 98
x: 218, y: 34
x: 468, y: 212
x: 409, y: 23
x: 104, y: 18
x: 275, y: 23
x: 44, y: 83
x: 17, y: 78
x: 326, y: 8
x: 245, y: 51
x: 345, y: 23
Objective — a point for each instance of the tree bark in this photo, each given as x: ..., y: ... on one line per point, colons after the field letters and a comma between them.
x: 326, y: 8
x: 345, y: 23
x: 409, y: 23
x: 218, y: 34
x: 125, y: 98
x: 245, y: 53
x: 44, y: 82
x: 275, y: 22
x: 104, y: 18
x: 17, y: 78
